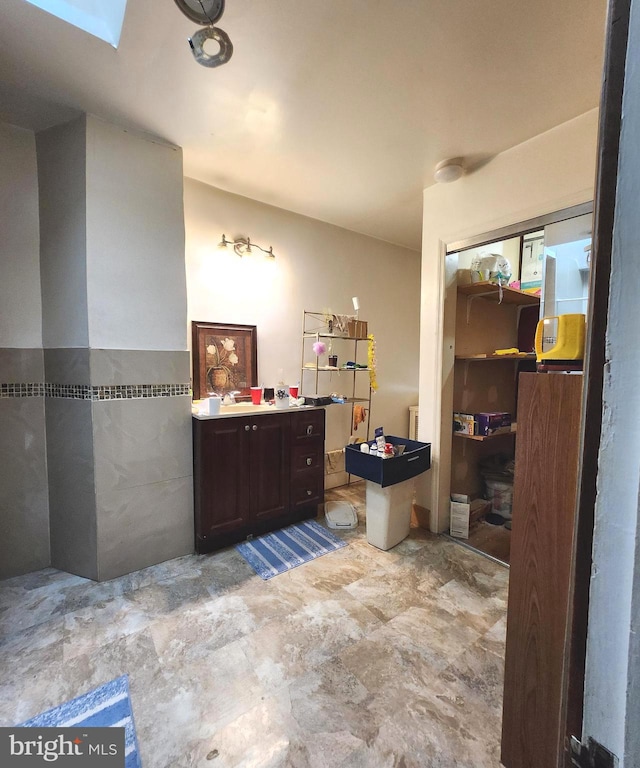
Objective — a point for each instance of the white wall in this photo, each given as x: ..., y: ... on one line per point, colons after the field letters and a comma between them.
x: 612, y: 681
x: 554, y: 170
x: 62, y: 190
x: 20, y: 302
x: 136, y: 282
x: 317, y: 266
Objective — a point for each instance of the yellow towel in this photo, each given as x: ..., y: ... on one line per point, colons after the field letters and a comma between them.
x: 359, y: 416
x: 510, y: 351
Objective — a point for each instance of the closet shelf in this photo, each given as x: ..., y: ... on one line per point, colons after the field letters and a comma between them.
x: 486, y: 356
x: 482, y: 438
x: 313, y: 335
x: 332, y: 368
x: 493, y: 292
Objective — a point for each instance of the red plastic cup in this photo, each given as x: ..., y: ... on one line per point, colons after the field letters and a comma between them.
x: 293, y: 391
x: 256, y: 395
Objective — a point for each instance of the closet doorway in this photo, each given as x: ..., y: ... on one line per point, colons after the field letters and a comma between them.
x: 505, y: 283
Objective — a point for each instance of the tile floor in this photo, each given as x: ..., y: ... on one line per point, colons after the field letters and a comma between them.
x: 359, y: 659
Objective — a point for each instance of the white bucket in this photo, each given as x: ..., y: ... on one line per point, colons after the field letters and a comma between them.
x: 500, y: 495
x: 388, y: 513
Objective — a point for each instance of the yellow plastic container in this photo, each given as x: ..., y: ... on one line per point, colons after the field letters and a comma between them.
x: 560, y: 338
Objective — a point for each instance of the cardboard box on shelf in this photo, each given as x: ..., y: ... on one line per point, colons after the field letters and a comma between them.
x: 493, y: 423
x: 463, y: 514
x: 464, y: 423
x: 357, y: 329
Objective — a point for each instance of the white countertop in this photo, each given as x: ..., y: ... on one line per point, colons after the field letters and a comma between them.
x: 248, y: 409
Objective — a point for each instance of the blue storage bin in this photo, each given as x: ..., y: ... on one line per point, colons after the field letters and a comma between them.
x: 415, y: 460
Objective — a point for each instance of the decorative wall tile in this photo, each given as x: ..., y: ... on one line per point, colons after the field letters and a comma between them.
x: 118, y: 392
x: 86, y: 392
x: 32, y: 389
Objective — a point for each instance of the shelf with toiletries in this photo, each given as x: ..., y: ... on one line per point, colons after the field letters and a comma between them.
x: 482, y: 438
x: 492, y: 346
x: 343, y: 353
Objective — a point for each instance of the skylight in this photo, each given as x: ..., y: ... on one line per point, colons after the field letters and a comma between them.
x: 103, y: 20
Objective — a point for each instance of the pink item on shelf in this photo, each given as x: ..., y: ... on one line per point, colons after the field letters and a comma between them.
x: 319, y: 347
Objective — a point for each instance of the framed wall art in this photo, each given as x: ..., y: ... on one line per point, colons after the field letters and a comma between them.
x: 225, y: 358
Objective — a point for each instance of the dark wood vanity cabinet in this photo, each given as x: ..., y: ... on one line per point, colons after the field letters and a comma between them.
x: 256, y: 473
x: 307, y: 460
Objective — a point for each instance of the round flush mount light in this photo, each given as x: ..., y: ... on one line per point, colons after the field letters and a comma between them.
x: 448, y: 170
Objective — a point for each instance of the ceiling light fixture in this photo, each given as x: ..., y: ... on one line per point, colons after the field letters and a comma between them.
x: 448, y: 170
x: 242, y: 245
x: 207, y: 13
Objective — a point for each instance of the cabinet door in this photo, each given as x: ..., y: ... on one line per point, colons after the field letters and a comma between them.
x: 544, y: 501
x: 269, y: 466
x: 221, y: 482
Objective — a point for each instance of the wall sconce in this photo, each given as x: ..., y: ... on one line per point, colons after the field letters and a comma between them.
x: 243, y: 245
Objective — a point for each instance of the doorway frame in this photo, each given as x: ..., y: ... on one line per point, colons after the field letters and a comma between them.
x: 441, y: 471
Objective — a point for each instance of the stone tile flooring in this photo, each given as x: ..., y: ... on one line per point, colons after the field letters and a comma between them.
x: 359, y: 659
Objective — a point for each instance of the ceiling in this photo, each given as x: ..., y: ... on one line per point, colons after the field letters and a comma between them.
x: 338, y: 110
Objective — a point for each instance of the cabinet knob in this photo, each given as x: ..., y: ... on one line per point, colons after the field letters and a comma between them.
x: 310, y: 429
x: 309, y: 493
x: 309, y: 462
x: 246, y: 429
x: 254, y: 427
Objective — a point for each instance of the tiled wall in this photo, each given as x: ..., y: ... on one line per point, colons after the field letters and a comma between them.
x: 118, y: 449
x: 24, y: 503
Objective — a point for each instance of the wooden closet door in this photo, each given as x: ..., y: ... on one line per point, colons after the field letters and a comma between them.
x: 544, y: 503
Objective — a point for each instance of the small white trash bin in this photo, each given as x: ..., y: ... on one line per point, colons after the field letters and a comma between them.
x: 388, y: 513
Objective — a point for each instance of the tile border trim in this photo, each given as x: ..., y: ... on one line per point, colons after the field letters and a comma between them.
x: 93, y: 393
x: 28, y: 389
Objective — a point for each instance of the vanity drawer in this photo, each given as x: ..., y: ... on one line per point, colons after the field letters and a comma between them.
x: 307, y: 458
x: 307, y: 426
x: 307, y: 492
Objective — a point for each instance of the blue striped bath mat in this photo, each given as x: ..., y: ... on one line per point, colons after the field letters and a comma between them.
x: 279, y: 551
x: 108, y: 705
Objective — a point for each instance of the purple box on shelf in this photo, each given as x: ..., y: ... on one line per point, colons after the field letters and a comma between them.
x: 493, y: 423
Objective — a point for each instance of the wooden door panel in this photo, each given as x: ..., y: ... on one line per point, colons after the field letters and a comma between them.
x: 269, y: 462
x: 544, y: 502
x: 222, y: 503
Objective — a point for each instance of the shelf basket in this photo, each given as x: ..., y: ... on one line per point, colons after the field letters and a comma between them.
x: 357, y: 329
